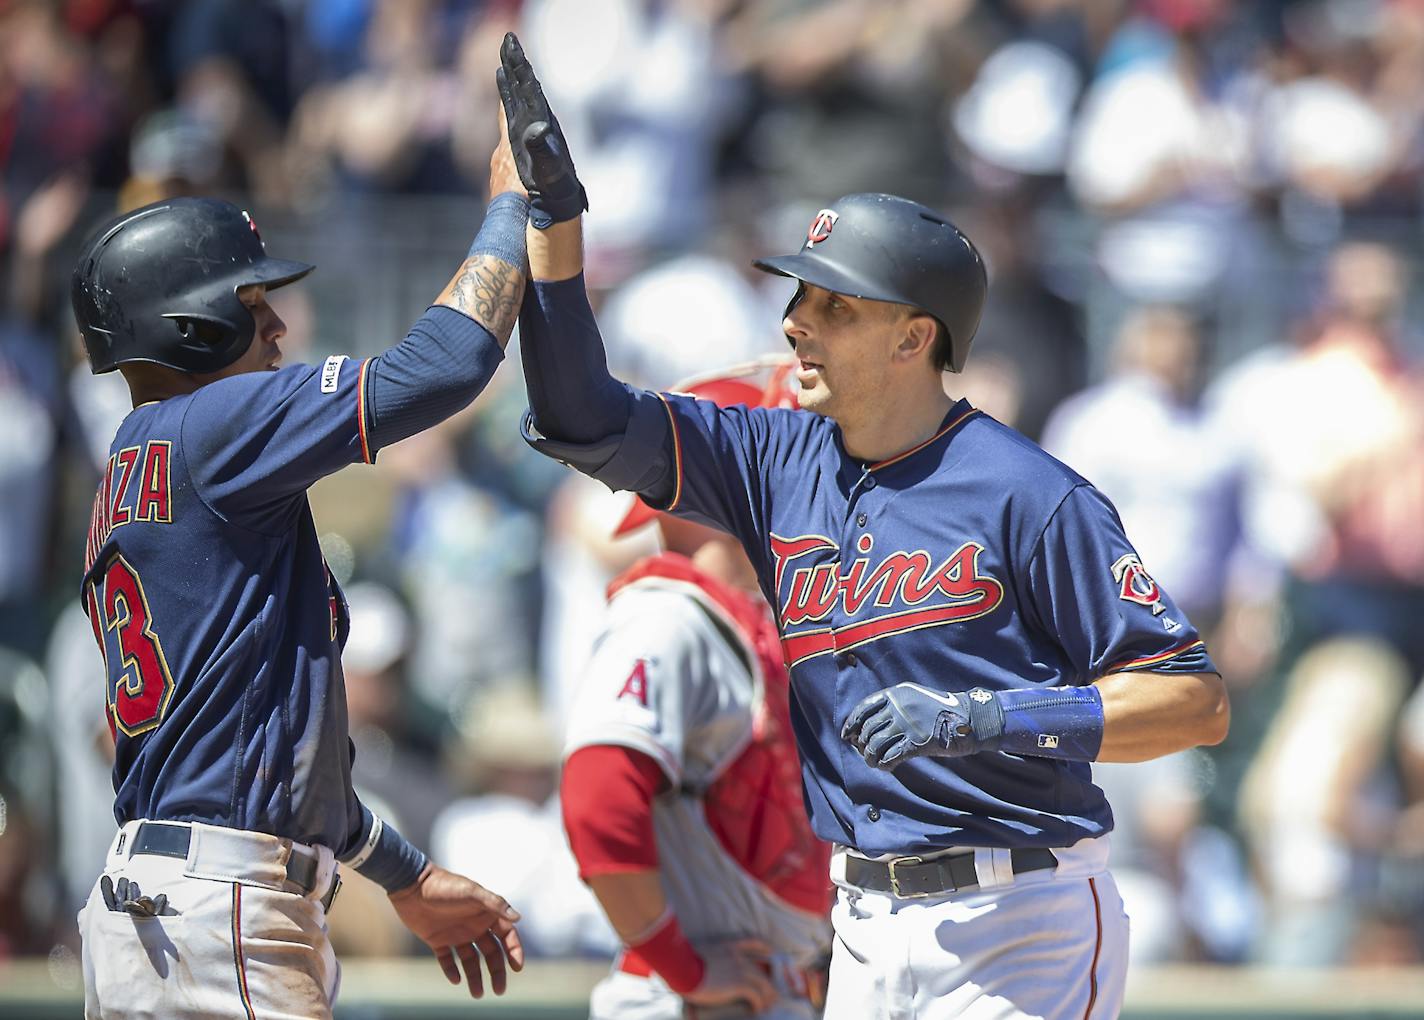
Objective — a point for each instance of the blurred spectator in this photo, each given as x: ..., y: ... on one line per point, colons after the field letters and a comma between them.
x: 1334, y: 434
x: 228, y: 61
x: 467, y: 559
x: 389, y: 124
x: 1141, y: 438
x: 390, y: 763
x: 578, y: 558
x: 643, y: 98
x: 1017, y: 114
x: 28, y: 886
x: 55, y: 111
x: 1030, y: 352
x: 1311, y: 818
x: 83, y: 754
x: 1339, y: 114
x: 31, y: 396
x: 1158, y: 156
x: 508, y: 833
x: 852, y: 94
x: 689, y: 315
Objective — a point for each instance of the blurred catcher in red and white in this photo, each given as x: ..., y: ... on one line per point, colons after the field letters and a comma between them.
x: 681, y: 789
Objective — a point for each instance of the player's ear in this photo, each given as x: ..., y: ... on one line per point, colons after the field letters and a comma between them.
x: 917, y: 337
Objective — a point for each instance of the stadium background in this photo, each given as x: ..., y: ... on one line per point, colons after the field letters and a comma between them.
x: 1204, y: 222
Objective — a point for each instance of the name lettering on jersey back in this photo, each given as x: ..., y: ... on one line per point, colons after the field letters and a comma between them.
x: 137, y: 486
x: 920, y: 592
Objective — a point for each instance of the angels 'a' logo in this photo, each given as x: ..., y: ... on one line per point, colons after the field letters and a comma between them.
x: 821, y: 226
x: 1137, y: 584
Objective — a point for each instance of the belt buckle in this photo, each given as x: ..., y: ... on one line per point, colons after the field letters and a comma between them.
x: 330, y: 897
x: 895, y: 879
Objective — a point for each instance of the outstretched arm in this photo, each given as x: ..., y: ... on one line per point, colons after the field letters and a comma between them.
x: 579, y: 413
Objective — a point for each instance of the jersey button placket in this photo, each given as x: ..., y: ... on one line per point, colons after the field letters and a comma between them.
x: 873, y: 814
x: 860, y: 520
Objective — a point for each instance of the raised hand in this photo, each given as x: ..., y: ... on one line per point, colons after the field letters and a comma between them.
x: 540, y: 152
x: 503, y: 174
x: 456, y: 917
x: 910, y: 721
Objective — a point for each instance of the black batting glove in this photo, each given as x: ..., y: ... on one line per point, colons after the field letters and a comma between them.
x: 910, y: 721
x: 540, y: 153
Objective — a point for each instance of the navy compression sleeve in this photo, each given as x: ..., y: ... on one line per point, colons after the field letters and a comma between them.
x: 578, y: 412
x: 441, y: 365
x: 571, y: 395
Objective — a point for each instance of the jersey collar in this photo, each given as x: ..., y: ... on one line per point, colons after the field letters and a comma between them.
x: 961, y: 412
x: 958, y: 414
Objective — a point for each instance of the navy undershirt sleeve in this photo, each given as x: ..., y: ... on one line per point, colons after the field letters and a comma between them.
x: 571, y: 395
x: 578, y: 412
x: 439, y: 368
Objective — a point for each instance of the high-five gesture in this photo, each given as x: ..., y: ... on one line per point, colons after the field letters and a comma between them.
x: 540, y: 152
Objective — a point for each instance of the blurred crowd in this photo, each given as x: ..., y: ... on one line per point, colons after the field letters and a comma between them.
x: 1204, y: 223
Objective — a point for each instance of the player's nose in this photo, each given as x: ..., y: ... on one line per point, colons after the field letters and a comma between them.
x: 795, y: 331
x: 273, y: 328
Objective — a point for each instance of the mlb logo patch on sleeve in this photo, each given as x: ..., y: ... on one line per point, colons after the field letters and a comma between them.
x: 331, y: 373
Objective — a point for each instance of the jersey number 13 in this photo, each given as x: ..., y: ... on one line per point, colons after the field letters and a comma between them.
x: 140, y: 685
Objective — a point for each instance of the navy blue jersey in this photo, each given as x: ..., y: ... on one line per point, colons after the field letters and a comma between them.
x: 220, y: 625
x: 973, y: 560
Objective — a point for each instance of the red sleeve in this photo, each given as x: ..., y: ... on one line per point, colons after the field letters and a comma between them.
x: 607, y: 798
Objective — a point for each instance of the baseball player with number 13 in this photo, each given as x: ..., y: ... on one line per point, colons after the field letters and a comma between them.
x: 966, y: 625
x: 221, y: 628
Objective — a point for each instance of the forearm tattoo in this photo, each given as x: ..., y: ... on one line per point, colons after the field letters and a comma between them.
x: 489, y: 291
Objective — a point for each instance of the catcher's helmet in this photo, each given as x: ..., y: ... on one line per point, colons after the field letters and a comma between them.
x: 159, y: 284
x: 891, y: 249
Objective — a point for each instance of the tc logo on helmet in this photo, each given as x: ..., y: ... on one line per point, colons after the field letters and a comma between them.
x: 820, y: 228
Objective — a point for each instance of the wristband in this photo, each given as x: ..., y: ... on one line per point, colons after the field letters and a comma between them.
x: 385, y: 856
x: 668, y: 952
x: 1041, y: 722
x: 502, y: 232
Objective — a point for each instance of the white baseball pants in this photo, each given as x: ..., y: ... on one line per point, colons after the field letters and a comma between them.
x: 233, y: 943
x: 1042, y: 945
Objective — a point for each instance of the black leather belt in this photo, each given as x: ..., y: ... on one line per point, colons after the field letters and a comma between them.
x: 170, y: 839
x: 911, y: 877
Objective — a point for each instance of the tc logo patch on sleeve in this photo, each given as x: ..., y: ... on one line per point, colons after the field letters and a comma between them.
x: 1136, y: 585
x: 331, y: 373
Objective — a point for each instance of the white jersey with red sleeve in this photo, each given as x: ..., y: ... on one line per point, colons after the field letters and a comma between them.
x: 689, y: 672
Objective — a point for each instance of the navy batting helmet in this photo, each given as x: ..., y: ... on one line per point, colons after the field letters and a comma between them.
x: 891, y: 249
x: 159, y: 284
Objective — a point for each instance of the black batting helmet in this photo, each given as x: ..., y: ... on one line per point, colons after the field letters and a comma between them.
x: 891, y: 249
x: 159, y: 284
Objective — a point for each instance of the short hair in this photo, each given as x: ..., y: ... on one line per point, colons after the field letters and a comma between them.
x: 942, y: 353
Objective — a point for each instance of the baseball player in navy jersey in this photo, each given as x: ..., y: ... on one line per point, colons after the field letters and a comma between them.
x: 966, y: 625
x: 221, y: 628
x: 681, y: 791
